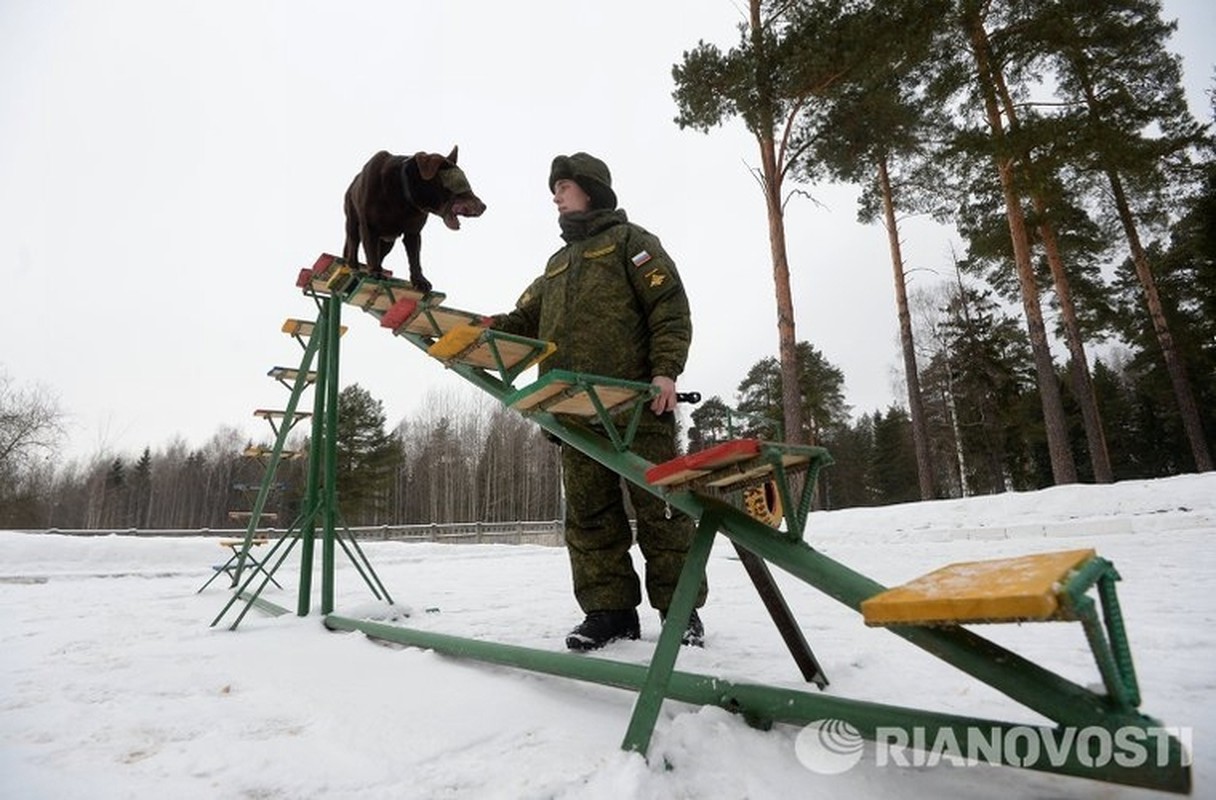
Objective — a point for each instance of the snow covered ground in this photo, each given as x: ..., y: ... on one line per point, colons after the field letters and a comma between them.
x: 113, y: 685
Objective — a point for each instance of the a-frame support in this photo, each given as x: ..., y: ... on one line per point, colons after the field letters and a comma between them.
x: 320, y: 514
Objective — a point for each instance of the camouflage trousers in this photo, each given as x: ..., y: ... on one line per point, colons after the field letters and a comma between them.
x: 598, y: 535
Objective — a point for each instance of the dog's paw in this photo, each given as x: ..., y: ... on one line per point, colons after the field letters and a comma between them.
x: 420, y: 284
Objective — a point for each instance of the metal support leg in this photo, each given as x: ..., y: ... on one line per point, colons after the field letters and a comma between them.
x: 787, y: 626
x: 330, y: 512
x: 662, y: 663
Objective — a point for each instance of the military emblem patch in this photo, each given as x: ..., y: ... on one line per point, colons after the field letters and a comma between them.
x: 640, y: 259
x: 656, y: 278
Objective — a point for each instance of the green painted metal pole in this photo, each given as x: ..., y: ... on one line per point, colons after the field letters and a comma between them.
x: 775, y: 704
x: 683, y: 601
x: 316, y: 462
x: 332, y: 388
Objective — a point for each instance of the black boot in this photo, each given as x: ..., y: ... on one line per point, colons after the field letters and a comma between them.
x: 602, y: 627
x: 694, y: 634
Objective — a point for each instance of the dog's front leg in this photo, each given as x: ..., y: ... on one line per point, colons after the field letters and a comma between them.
x: 373, y: 249
x: 413, y: 253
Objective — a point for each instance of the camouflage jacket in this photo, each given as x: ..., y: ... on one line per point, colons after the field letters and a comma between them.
x: 612, y: 302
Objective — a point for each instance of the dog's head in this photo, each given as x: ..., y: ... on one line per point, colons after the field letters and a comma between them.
x: 455, y: 198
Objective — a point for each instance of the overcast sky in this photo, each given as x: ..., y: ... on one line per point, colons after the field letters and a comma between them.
x: 168, y: 167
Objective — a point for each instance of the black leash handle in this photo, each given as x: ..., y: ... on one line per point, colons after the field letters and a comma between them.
x: 688, y: 397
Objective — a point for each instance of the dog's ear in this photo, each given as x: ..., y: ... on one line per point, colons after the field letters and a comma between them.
x: 428, y: 164
x: 452, y: 155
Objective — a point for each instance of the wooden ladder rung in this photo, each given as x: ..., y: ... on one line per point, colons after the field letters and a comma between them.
x: 377, y: 296
x: 561, y: 392
x: 410, y: 315
x: 232, y: 542
x: 248, y: 514
x: 476, y: 346
x: 267, y: 413
x: 316, y: 279
x: 304, y: 328
x: 259, y: 451
x: 732, y: 465
x: 290, y: 374
x: 697, y: 465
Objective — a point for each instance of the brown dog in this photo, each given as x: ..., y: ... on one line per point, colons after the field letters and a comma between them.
x: 392, y: 195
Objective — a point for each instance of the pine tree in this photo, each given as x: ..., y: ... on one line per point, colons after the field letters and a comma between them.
x: 875, y: 130
x: 790, y: 55
x: 894, y: 463
x: 1112, y: 64
x: 367, y: 456
x: 819, y: 387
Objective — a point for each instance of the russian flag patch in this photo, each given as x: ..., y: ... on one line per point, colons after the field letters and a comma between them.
x: 640, y: 259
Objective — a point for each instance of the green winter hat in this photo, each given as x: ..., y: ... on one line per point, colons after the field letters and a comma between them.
x: 591, y: 175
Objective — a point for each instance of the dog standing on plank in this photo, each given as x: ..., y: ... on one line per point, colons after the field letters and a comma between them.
x: 392, y: 196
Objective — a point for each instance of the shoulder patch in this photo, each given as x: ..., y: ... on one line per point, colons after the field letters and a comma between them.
x: 641, y: 258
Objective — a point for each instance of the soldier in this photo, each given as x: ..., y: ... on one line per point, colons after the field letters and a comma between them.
x: 612, y: 301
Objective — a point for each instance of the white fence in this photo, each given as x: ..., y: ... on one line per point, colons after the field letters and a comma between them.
x: 548, y: 533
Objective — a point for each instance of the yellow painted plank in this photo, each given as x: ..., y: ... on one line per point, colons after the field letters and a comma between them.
x: 456, y: 341
x: 304, y: 328
x: 999, y: 590
x: 475, y: 345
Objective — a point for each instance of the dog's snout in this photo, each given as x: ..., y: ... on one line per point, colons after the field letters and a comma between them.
x: 470, y: 207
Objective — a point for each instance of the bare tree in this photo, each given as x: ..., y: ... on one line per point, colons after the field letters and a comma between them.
x: 31, y: 428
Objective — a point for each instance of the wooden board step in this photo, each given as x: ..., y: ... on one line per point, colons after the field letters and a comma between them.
x: 327, y: 274
x: 290, y: 374
x: 378, y: 296
x: 410, y: 315
x: 247, y: 514
x: 1021, y: 589
x: 733, y: 465
x: 304, y: 328
x: 488, y: 349
x: 270, y: 413
x: 267, y: 413
x: 561, y: 392
x: 259, y: 451
x: 331, y: 275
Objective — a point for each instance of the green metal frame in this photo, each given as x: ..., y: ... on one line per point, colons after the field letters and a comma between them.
x: 1106, y: 635
x: 321, y: 498
x: 1054, y: 697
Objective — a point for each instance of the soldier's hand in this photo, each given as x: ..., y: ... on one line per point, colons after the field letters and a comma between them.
x: 666, y: 399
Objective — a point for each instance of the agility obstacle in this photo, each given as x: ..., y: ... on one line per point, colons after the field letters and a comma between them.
x: 599, y: 416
